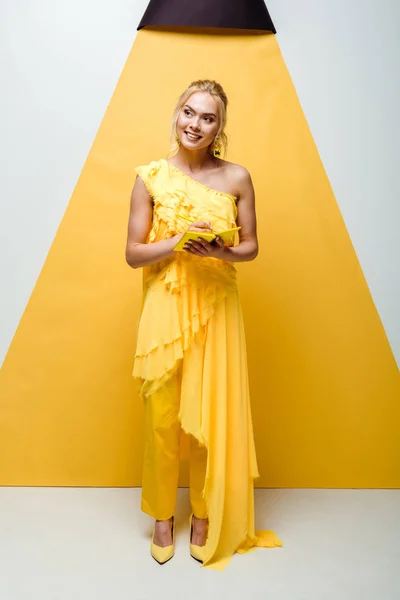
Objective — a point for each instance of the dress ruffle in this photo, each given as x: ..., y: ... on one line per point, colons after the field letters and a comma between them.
x: 188, y: 297
x: 191, y: 313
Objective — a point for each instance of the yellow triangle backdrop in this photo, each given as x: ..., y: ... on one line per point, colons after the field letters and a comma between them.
x: 324, y: 383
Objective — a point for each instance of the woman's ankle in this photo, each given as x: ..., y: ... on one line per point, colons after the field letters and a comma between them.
x: 163, y: 532
x: 200, y: 520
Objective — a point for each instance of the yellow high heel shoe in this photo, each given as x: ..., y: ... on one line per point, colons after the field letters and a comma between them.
x: 196, y: 552
x: 163, y: 554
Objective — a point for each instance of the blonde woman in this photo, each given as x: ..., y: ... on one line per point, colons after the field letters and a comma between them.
x: 191, y: 354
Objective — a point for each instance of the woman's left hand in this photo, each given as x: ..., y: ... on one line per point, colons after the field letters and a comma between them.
x: 203, y: 248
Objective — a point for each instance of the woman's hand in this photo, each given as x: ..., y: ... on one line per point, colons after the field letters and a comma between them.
x: 201, y: 247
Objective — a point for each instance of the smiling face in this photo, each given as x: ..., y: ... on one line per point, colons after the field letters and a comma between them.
x: 198, y: 121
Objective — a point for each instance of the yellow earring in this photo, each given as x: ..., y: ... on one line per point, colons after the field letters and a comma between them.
x: 177, y: 140
x: 217, y: 147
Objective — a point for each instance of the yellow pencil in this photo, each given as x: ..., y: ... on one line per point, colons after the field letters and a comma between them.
x: 187, y: 218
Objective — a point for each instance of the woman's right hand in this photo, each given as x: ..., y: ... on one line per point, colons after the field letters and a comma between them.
x: 201, y: 227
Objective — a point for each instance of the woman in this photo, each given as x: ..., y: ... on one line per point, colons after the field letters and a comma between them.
x: 191, y: 355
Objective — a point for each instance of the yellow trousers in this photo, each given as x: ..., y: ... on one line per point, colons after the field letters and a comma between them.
x: 162, y: 455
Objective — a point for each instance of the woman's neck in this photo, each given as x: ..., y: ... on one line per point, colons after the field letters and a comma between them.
x: 193, y: 160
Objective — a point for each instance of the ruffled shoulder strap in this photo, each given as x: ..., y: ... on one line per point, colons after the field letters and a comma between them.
x: 148, y: 173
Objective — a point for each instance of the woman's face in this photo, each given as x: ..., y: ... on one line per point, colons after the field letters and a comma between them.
x: 198, y: 122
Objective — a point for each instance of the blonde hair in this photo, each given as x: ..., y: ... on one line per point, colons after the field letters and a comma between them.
x: 215, y: 90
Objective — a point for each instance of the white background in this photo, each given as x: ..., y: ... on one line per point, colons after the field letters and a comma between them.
x: 60, y: 62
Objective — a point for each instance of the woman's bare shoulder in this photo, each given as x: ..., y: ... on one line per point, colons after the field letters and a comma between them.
x: 234, y: 169
x: 239, y: 178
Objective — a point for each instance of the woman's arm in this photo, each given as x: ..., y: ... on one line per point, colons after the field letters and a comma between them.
x: 247, y: 249
x: 138, y: 253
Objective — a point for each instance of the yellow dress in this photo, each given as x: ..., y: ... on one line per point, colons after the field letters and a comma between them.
x: 191, y: 314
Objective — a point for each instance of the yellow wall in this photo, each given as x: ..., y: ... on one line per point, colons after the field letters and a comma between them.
x: 325, y: 386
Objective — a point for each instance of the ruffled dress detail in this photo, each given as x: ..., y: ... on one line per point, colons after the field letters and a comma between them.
x: 191, y: 315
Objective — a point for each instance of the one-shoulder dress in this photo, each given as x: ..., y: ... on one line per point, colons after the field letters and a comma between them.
x: 191, y: 312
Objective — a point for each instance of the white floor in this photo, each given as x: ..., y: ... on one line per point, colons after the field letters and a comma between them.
x: 93, y: 544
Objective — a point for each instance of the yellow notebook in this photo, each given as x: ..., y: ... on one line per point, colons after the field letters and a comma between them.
x: 226, y: 236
